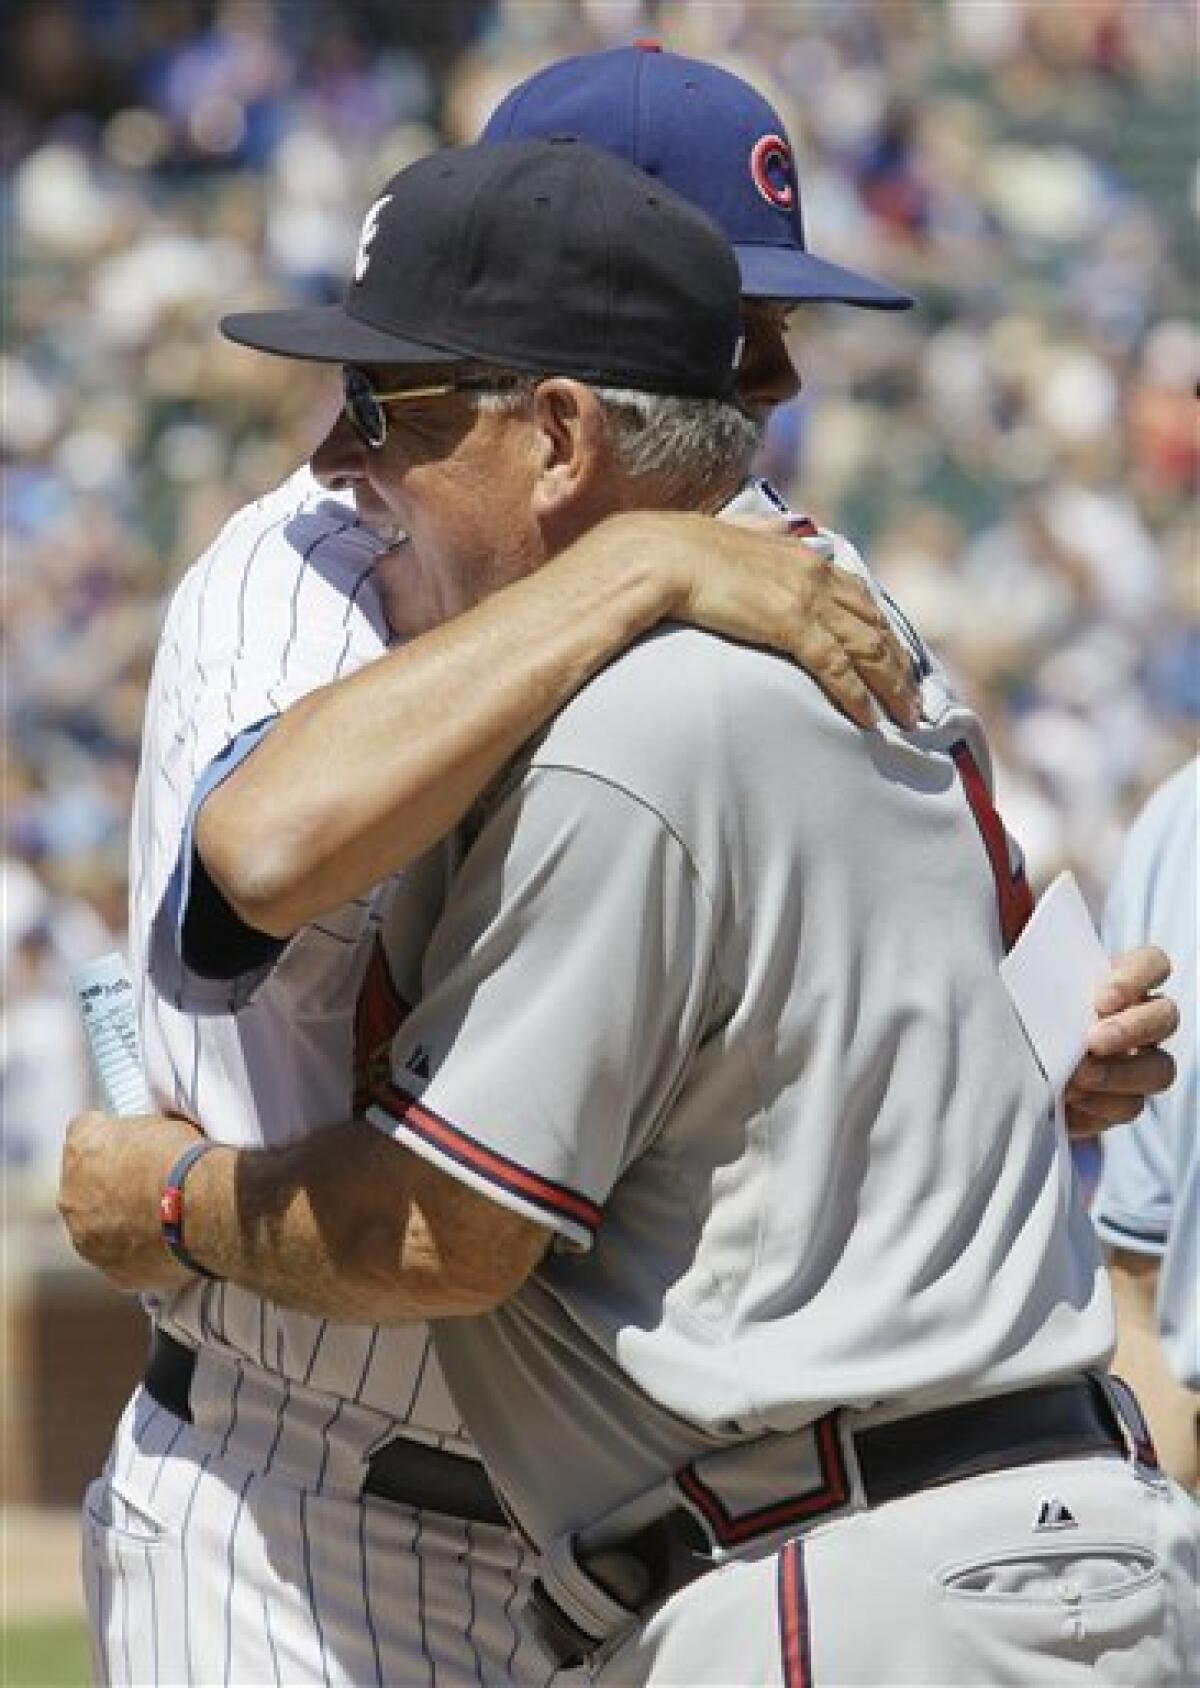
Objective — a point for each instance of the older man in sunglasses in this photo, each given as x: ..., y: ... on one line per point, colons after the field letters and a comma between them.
x: 728, y: 1223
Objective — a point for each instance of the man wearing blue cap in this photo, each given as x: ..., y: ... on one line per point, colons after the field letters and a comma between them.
x: 462, y: 1565
x: 714, y: 139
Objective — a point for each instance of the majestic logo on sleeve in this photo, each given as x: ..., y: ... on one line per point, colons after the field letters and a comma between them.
x: 366, y: 239
x: 773, y: 171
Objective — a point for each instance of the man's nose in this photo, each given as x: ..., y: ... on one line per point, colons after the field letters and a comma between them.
x: 338, y: 460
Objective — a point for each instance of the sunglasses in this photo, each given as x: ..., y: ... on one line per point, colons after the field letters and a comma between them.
x: 366, y: 407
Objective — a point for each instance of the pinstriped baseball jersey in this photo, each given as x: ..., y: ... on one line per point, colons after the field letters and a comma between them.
x: 241, y: 1547
x: 281, y: 603
x: 715, y: 998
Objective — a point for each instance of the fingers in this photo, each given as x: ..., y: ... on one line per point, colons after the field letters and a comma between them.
x: 89, y: 1120
x: 825, y: 658
x: 789, y: 596
x: 1133, y: 974
x: 1082, y: 1124
x: 880, y: 662
x: 1101, y: 1113
x: 1105, y: 1093
x: 1148, y: 1022
x: 875, y: 664
x: 1146, y: 1074
x: 856, y: 622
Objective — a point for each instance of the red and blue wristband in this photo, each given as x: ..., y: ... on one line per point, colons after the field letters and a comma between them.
x: 170, y: 1208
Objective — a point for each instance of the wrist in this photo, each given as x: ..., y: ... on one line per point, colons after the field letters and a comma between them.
x: 178, y: 1191
x: 649, y: 557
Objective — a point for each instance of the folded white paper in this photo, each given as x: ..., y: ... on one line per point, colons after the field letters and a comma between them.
x: 106, y: 1001
x: 1051, y: 974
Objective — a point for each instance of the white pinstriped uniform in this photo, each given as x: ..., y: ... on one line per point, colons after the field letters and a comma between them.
x: 237, y: 1549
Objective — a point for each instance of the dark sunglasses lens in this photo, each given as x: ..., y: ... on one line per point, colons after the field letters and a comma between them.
x: 363, y: 408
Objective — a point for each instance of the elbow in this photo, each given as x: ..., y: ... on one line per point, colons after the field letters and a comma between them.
x: 260, y: 869
x: 479, y: 1274
x: 421, y: 1275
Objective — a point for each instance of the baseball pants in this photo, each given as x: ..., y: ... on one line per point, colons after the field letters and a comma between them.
x: 1076, y: 1571
x: 238, y: 1551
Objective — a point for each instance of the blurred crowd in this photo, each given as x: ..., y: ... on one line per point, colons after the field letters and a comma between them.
x: 1017, y: 459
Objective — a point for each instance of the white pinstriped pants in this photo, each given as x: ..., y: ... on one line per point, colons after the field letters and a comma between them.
x: 203, y: 1565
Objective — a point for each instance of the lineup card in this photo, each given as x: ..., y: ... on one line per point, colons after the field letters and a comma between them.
x: 1051, y: 973
x: 106, y: 1002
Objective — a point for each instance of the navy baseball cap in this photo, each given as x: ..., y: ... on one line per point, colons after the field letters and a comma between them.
x: 543, y: 256
x: 712, y: 138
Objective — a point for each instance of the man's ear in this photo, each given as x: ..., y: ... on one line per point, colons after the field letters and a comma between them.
x: 571, y: 444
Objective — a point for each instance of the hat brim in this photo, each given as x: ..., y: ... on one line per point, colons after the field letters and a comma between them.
x: 784, y: 272
x: 328, y: 334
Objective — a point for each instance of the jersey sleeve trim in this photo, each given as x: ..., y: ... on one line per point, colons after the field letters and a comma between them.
x: 1128, y: 1231
x: 489, y: 1171
x: 214, y: 942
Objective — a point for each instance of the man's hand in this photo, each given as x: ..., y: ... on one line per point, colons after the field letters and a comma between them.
x: 111, y: 1179
x: 756, y: 580
x: 1124, y: 1065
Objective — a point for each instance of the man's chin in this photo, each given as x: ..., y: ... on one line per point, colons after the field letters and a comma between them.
x: 398, y: 579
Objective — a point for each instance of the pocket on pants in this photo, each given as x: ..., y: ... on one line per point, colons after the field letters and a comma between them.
x: 114, y: 1509
x: 1076, y: 1611
x: 1067, y: 1574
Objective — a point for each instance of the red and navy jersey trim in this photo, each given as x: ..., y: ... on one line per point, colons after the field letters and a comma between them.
x: 1012, y: 888
x: 795, y: 1641
x: 831, y: 1492
x: 489, y: 1164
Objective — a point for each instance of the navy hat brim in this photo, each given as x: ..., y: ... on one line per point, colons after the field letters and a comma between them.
x: 785, y: 272
x: 328, y: 334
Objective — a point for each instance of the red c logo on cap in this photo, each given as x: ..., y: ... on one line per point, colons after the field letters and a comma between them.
x: 772, y: 171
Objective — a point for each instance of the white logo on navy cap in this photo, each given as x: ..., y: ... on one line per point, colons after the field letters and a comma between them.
x: 366, y: 239
x: 773, y: 172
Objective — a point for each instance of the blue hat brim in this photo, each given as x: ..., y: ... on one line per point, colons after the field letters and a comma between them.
x: 784, y: 272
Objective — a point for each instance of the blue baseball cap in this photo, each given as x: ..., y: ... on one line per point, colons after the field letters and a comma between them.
x: 708, y: 135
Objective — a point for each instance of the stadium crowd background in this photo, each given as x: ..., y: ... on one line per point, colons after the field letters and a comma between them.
x: 1017, y: 458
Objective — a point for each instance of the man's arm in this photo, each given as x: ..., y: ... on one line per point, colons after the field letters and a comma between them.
x: 346, y: 1224
x: 353, y: 1225
x: 358, y: 779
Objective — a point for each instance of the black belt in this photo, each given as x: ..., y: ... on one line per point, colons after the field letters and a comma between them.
x: 1051, y: 1421
x: 405, y: 1472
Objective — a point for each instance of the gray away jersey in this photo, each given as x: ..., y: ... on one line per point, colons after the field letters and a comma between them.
x: 714, y: 996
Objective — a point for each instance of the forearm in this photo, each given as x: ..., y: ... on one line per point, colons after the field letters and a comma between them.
x: 345, y: 1224
x: 293, y: 1227
x: 358, y: 779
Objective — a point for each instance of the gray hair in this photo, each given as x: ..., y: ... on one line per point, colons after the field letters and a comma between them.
x: 688, y: 446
